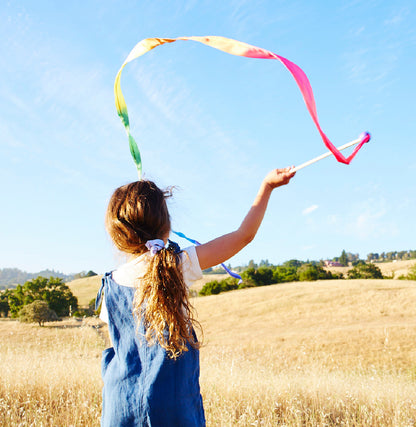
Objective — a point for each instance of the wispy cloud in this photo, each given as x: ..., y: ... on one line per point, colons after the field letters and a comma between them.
x: 58, y: 107
x: 398, y: 17
x: 309, y: 209
x: 194, y: 132
x: 366, y: 220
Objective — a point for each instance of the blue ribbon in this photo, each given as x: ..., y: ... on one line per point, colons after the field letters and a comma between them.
x: 196, y: 243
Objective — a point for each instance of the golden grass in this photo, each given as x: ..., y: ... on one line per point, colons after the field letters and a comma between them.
x: 320, y: 353
x: 85, y: 289
x: 50, y: 376
x: 397, y: 268
x: 326, y: 353
x: 393, y: 269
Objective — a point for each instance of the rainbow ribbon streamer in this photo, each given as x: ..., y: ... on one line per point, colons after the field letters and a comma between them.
x: 233, y: 47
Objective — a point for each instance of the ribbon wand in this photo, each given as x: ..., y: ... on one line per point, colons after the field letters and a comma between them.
x: 364, y: 137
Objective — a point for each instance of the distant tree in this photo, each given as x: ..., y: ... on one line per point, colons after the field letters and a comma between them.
x: 365, y: 271
x: 37, y: 312
x: 310, y: 271
x: 261, y: 276
x: 307, y: 273
x: 343, y: 258
x: 91, y: 274
x: 4, y: 303
x: 252, y: 264
x: 293, y: 263
x: 352, y: 257
x: 402, y: 254
x: 248, y: 276
x: 391, y: 255
x: 17, y: 300
x: 53, y: 290
x: 285, y: 273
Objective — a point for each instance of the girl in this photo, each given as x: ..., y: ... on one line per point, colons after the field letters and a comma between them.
x: 151, y: 372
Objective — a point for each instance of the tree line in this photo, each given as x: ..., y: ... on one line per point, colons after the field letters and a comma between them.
x: 349, y: 258
x: 9, y: 277
x: 51, y: 297
x: 290, y: 271
x: 391, y: 256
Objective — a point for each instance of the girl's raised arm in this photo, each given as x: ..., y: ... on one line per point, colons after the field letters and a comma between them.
x: 222, y: 248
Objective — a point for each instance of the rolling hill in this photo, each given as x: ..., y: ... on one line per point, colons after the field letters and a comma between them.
x: 86, y: 289
x: 347, y: 321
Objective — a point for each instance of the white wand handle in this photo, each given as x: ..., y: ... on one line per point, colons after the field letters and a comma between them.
x: 327, y: 154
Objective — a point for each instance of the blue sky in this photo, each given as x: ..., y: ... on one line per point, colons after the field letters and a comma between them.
x: 209, y: 123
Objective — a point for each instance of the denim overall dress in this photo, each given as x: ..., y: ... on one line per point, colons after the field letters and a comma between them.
x: 142, y: 385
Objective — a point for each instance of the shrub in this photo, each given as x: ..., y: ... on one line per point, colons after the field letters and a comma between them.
x: 37, y: 312
x: 309, y: 272
x: 261, y: 276
x: 412, y: 273
x: 365, y: 271
x: 286, y: 272
x: 80, y: 313
x: 4, y: 303
x: 214, y: 287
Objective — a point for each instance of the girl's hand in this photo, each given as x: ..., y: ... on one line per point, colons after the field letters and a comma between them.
x: 279, y: 177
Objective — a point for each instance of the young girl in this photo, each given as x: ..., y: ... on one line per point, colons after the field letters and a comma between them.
x: 151, y: 372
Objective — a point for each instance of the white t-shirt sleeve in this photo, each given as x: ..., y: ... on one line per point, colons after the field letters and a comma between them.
x: 191, y: 269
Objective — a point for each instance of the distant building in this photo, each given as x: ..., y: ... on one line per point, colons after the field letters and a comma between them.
x: 333, y: 264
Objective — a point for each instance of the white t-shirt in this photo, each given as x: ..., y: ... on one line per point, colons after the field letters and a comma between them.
x: 129, y: 273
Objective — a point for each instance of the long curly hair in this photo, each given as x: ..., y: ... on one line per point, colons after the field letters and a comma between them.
x: 136, y: 213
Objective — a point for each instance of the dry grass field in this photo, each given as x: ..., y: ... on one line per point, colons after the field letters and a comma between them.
x: 85, y: 289
x: 393, y: 269
x: 329, y: 353
x: 315, y: 354
x: 397, y: 268
x: 49, y: 376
